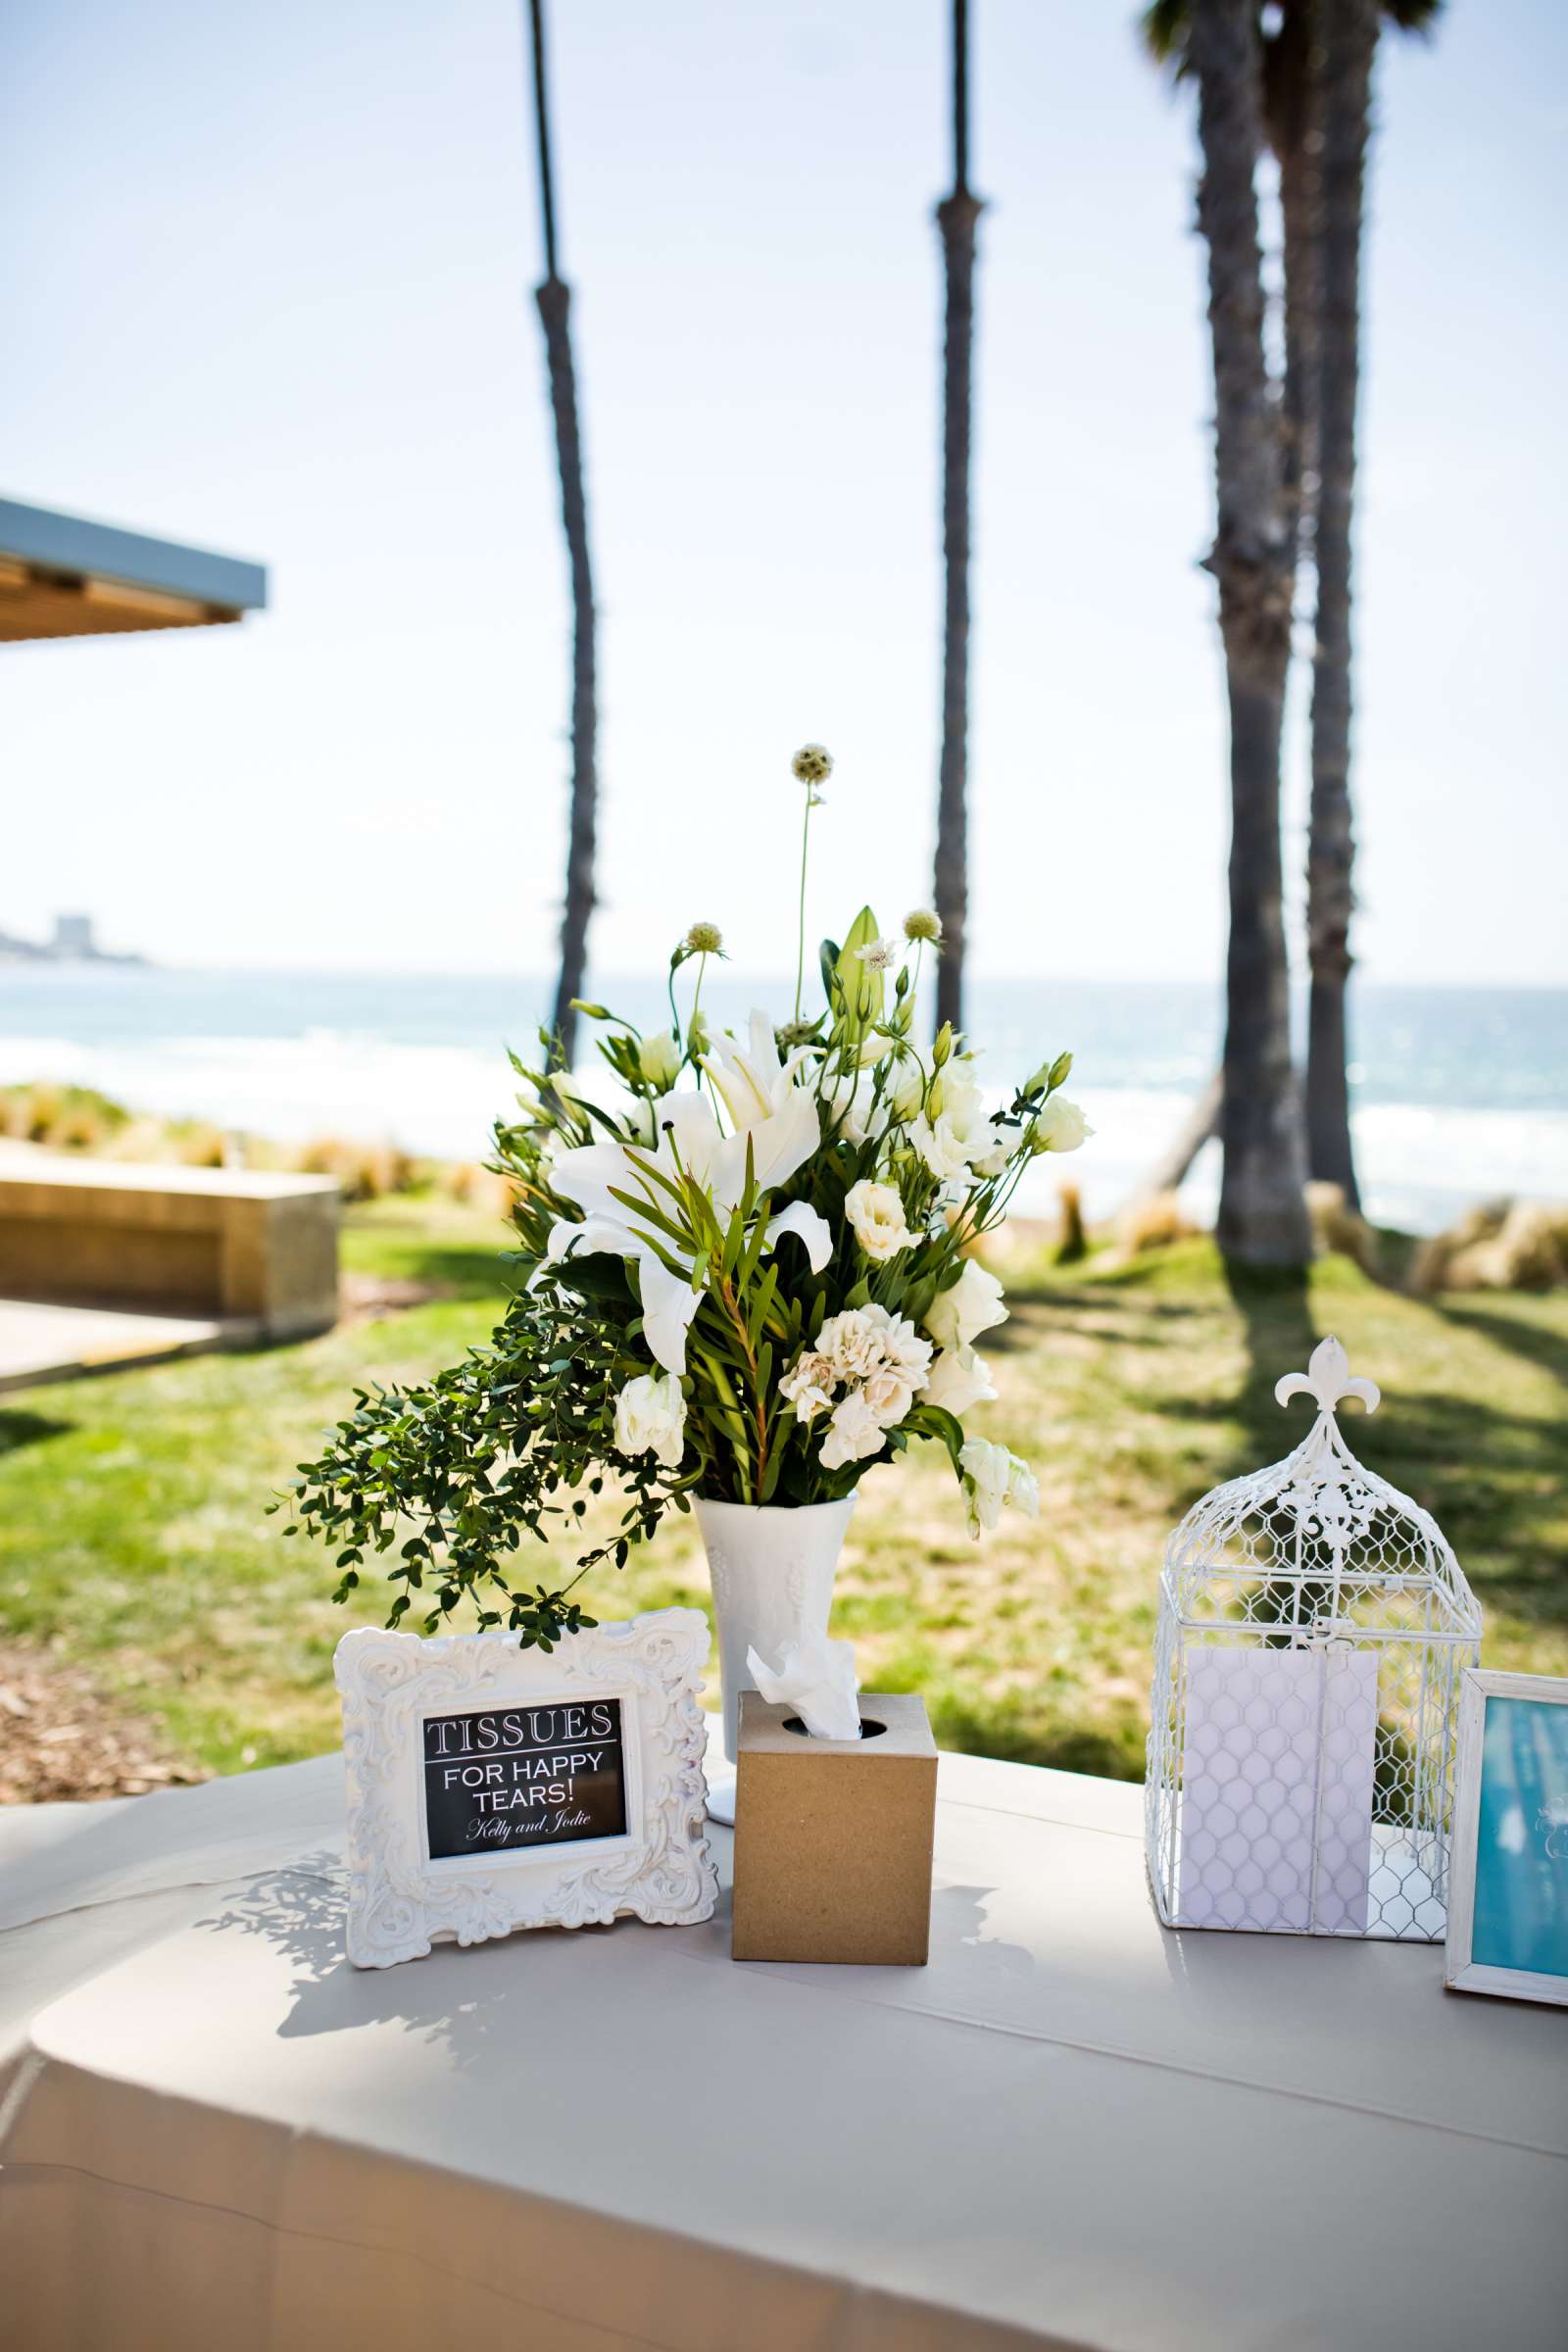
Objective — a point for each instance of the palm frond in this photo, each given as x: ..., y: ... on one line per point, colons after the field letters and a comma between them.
x: 1162, y: 30
x: 1414, y: 16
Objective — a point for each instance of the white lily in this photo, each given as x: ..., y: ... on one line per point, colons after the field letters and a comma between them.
x: 775, y: 1116
x: 808, y: 1226
x: 691, y: 1141
x: 754, y: 1079
x: 668, y: 1299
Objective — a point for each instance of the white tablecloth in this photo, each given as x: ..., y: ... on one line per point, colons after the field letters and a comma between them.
x: 1073, y: 2129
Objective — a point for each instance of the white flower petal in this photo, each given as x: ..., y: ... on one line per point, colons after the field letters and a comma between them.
x: 668, y: 1306
x: 780, y: 1145
x: 971, y: 1305
x: 650, y: 1418
x: 875, y: 1214
x: 693, y: 1135
x: 587, y: 1173
x: 1060, y: 1126
x: 809, y: 1226
x: 958, y: 1379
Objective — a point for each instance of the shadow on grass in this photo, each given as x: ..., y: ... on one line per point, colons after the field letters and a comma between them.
x: 1547, y: 1349
x: 450, y: 1269
x: 1492, y: 1481
x: 18, y: 1429
x: 1490, y: 1477
x: 1279, y: 1334
x: 1117, y: 1292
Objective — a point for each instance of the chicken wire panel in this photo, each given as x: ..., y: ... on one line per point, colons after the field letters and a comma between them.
x: 1313, y: 1626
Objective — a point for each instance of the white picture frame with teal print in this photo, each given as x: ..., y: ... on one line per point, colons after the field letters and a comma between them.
x: 1508, y: 1868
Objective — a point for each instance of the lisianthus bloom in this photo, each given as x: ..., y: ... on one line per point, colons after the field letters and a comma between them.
x: 658, y: 1059
x: 994, y: 1164
x: 650, y: 1418
x: 905, y: 1094
x: 958, y: 1379
x: 1023, y: 1489
x: 957, y: 1316
x: 1060, y: 1126
x: 994, y: 1478
x: 875, y: 1213
x: 849, y: 1104
x: 954, y: 1132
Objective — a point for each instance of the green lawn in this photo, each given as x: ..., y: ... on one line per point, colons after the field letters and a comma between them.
x: 132, y: 1534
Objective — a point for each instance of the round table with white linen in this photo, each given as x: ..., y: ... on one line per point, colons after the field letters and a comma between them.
x: 1072, y: 2129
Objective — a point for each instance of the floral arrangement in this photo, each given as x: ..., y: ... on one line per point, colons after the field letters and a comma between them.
x: 747, y: 1273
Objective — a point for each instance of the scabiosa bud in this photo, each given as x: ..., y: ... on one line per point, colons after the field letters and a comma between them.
x: 812, y: 765
x: 705, y: 939
x: 922, y: 923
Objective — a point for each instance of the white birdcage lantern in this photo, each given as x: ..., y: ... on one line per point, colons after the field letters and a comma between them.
x: 1314, y: 1628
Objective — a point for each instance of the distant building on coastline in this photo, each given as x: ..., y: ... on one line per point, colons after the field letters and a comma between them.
x: 74, y: 942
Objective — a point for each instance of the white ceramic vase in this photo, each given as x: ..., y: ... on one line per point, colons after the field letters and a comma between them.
x: 773, y: 1571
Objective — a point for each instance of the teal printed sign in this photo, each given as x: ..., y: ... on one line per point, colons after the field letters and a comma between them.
x: 1521, y: 1888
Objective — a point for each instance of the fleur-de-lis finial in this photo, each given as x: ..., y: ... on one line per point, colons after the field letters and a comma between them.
x: 1327, y: 1378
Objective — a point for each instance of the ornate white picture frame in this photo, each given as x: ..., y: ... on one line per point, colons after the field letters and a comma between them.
x: 1508, y: 1868
x: 640, y: 1676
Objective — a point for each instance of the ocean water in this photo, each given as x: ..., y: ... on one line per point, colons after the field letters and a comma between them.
x: 1459, y: 1094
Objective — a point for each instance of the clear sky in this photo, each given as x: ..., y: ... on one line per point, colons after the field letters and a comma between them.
x: 266, y: 287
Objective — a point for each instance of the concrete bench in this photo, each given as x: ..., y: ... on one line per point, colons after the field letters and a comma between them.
x: 239, y: 1244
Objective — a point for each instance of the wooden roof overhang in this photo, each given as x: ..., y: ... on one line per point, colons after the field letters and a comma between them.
x: 61, y: 576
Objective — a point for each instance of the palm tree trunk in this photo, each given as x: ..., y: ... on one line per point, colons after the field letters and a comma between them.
x: 554, y: 298
x: 1292, y: 122
x: 1298, y: 402
x: 1350, y: 31
x: 1262, y: 1213
x: 957, y: 217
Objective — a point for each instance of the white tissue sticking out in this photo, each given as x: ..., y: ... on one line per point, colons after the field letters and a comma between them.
x: 816, y: 1677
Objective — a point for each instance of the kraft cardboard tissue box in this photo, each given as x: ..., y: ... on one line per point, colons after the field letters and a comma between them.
x: 833, y: 1836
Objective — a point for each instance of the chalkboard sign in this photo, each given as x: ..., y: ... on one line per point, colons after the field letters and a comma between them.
x: 493, y: 1788
x: 523, y: 1775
